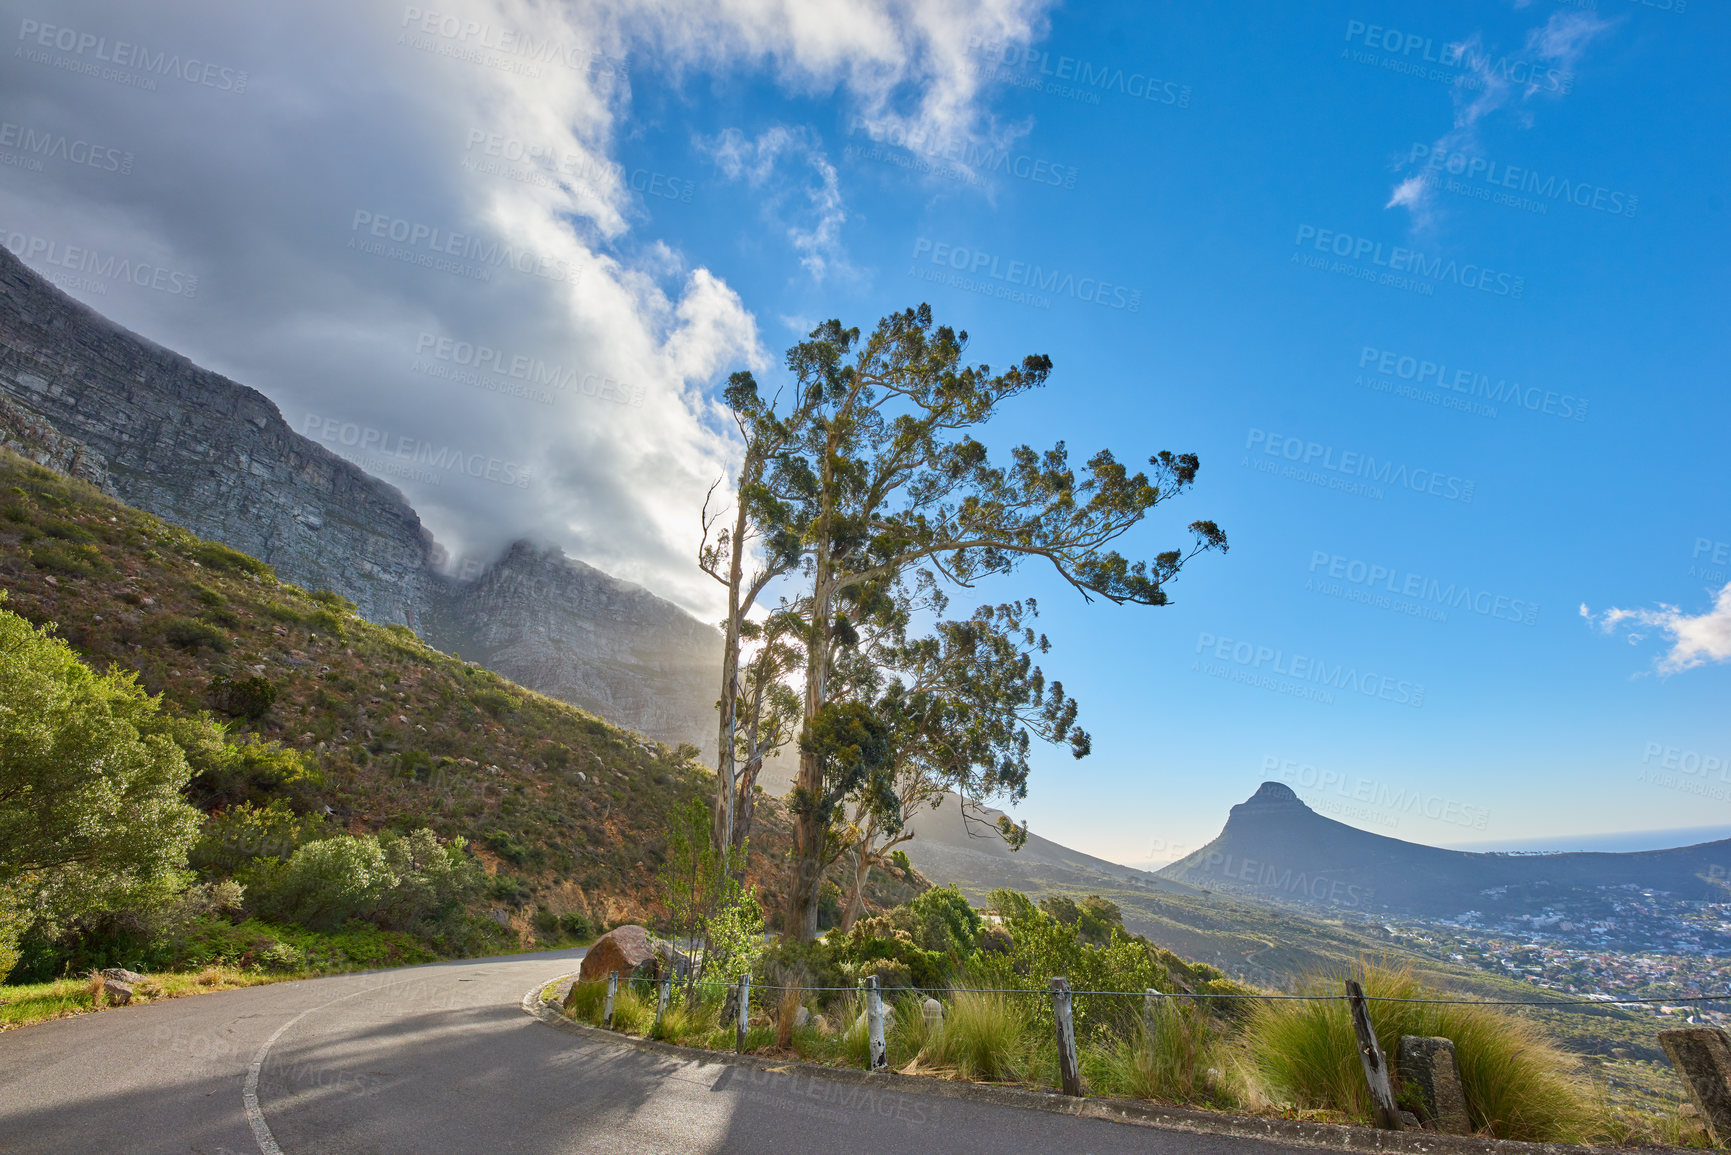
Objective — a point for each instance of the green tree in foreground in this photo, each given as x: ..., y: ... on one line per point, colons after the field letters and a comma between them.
x: 896, y: 481
x: 91, y: 814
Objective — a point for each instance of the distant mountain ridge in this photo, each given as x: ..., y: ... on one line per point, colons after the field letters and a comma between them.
x: 1275, y: 847
x: 215, y: 457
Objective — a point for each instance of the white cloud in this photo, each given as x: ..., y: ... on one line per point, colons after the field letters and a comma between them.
x: 1695, y: 639
x: 375, y: 110
x: 1485, y: 88
x: 805, y: 204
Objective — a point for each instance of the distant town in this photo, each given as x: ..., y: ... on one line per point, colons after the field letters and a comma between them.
x: 1624, y: 942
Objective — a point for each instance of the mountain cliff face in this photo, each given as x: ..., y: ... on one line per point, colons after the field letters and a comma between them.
x: 148, y: 426
x: 212, y: 456
x: 572, y: 632
x: 1275, y: 847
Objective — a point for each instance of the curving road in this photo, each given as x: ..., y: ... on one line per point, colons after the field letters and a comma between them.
x: 443, y: 1059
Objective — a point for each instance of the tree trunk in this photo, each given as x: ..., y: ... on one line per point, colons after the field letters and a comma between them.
x: 721, y: 821
x: 810, y: 824
x: 856, y: 894
x: 862, y: 868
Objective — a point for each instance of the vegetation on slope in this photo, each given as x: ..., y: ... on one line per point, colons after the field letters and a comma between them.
x: 319, y: 744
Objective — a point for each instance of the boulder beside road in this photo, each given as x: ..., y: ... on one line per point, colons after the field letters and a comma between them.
x: 622, y: 949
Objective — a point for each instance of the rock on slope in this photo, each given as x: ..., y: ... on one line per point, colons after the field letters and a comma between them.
x: 216, y: 457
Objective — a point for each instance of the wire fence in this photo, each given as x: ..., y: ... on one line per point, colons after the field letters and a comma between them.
x: 1596, y: 1001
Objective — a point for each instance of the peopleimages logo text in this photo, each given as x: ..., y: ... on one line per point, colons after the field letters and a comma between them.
x: 1400, y: 259
x: 412, y: 451
x: 1378, y: 794
x: 1424, y: 372
x: 1463, y: 56
x: 1468, y: 166
x: 124, y: 54
x: 1351, y: 463
x: 1026, y: 275
x: 1455, y: 595
x: 79, y: 259
x: 59, y: 146
x: 1303, y: 668
x: 976, y: 158
x: 433, y: 241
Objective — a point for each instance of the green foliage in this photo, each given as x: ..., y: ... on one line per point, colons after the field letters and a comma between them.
x: 191, y: 634
x: 1517, y: 1085
x: 69, y: 559
x: 706, y: 901
x: 735, y: 935
x: 263, y: 946
x: 250, y: 771
x: 14, y: 922
x: 941, y: 920
x: 90, y: 810
x: 496, y: 703
x: 899, y: 859
x: 217, y: 556
x: 250, y: 697
x: 392, y: 881
x: 237, y: 836
x: 335, y: 602
x: 1041, y: 946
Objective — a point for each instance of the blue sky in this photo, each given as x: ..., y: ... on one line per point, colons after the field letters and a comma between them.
x: 1435, y: 291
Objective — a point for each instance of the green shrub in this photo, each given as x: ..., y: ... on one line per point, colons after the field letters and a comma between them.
x: 234, y: 837
x: 228, y: 773
x: 68, y: 559
x: 327, y: 622
x: 335, y: 602
x: 497, y: 703
x: 250, y: 697
x: 221, y: 557
x: 1515, y: 1079
x: 393, y: 882
x: 189, y: 634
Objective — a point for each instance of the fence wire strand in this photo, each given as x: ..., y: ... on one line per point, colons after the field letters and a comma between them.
x: 1601, y: 1002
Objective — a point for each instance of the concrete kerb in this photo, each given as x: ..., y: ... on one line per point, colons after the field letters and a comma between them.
x: 542, y: 1002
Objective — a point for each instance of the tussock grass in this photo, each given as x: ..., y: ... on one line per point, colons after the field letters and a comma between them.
x: 984, y: 1037
x: 585, y: 1001
x: 1518, y: 1084
x: 905, y: 1031
x: 633, y: 1014
x: 1168, y: 1060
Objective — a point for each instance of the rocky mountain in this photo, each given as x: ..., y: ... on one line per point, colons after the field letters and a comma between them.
x: 215, y: 457
x: 1275, y: 847
x: 572, y: 632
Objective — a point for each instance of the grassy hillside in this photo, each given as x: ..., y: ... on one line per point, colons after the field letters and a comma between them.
x: 567, y: 812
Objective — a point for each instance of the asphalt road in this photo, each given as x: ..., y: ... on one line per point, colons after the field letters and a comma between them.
x: 442, y: 1059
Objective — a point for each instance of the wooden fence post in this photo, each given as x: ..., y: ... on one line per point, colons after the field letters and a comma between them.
x: 1375, y: 1065
x: 663, y: 993
x: 1069, y: 1071
x: 607, y: 1007
x: 744, y: 1012
x: 875, y: 1022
